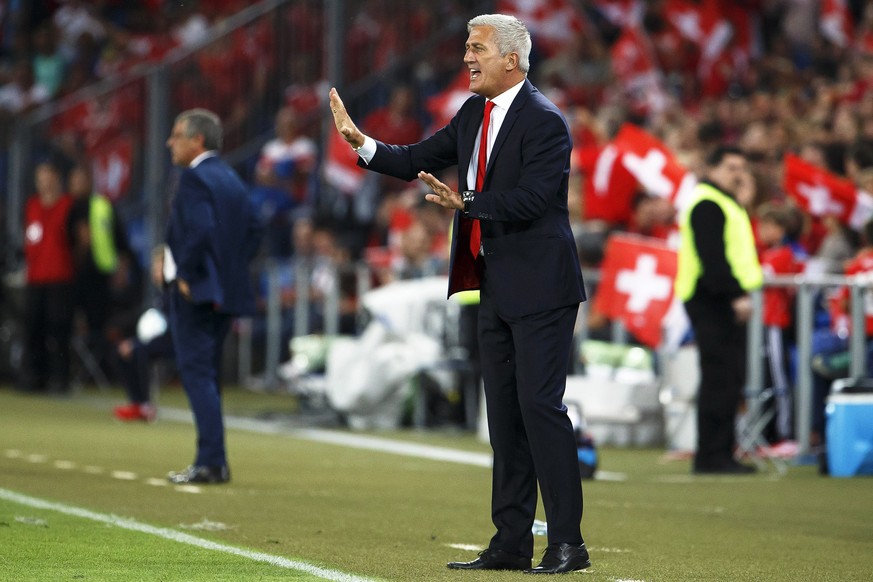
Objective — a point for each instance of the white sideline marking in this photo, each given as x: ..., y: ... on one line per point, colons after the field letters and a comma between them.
x: 65, y: 465
x: 156, y: 482
x: 183, y: 538
x: 384, y: 445
x: 188, y: 489
x: 35, y: 458
x: 124, y: 475
x: 431, y: 452
x: 365, y: 442
x: 466, y: 547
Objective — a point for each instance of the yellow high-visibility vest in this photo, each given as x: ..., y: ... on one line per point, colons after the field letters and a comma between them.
x: 739, y: 244
x: 100, y: 220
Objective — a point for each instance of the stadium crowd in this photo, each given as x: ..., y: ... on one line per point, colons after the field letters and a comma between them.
x: 787, y: 81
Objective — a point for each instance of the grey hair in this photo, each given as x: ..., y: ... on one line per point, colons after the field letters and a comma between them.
x: 511, y: 36
x: 203, y: 122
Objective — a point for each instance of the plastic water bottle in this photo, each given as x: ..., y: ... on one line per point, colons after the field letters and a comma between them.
x: 540, y: 528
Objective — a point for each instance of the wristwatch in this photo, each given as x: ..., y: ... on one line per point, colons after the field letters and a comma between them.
x: 467, y: 198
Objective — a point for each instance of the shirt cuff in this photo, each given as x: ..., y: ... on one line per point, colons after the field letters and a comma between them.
x: 368, y: 150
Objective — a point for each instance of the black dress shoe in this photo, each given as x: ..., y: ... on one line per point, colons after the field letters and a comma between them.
x: 200, y: 474
x: 493, y: 560
x: 561, y: 558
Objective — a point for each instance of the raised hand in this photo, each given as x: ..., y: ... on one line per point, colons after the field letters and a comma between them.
x: 343, y: 122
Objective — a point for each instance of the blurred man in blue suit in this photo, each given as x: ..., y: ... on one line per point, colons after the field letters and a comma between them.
x: 212, y: 235
x: 512, y: 240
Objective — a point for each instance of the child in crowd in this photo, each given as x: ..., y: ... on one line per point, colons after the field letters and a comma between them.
x: 778, y: 258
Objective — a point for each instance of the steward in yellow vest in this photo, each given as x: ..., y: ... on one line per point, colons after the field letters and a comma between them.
x: 718, y: 267
x: 98, y: 244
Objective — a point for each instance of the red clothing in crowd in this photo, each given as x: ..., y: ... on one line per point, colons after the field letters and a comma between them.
x: 46, y: 243
x: 861, y: 264
x: 392, y: 128
x: 779, y: 260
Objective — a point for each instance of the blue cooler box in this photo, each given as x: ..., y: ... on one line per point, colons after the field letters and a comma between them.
x: 849, y: 432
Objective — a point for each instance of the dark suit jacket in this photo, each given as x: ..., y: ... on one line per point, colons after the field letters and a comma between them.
x: 529, y: 248
x: 213, y: 234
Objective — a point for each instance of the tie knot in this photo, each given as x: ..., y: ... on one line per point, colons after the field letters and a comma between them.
x: 489, y: 105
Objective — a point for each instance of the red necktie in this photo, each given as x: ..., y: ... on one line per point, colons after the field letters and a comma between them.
x: 475, y: 232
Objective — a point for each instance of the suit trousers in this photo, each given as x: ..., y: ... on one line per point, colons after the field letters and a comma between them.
x: 524, y: 368
x: 721, y: 343
x: 198, y: 333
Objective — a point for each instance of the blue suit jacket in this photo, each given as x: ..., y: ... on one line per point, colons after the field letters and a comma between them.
x: 529, y: 248
x: 213, y: 233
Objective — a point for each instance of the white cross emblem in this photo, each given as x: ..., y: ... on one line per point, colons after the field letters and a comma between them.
x: 643, y: 284
x: 603, y: 170
x: 649, y: 171
x: 820, y: 201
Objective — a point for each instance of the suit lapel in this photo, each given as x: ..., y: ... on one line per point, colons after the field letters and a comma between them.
x: 508, y: 122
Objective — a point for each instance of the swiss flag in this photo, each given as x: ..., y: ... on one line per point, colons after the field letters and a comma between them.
x: 637, y: 284
x: 835, y: 22
x: 443, y: 105
x: 341, y: 168
x: 716, y: 67
x: 653, y: 165
x: 553, y: 24
x: 609, y: 187
x: 685, y: 17
x: 634, y: 160
x: 817, y: 191
x: 621, y: 13
x: 634, y: 66
x: 112, y: 163
x: 862, y: 211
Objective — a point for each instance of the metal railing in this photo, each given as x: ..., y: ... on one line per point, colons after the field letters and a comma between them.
x: 807, y: 288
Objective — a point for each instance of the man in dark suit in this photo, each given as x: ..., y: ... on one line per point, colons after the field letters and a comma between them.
x: 212, y: 235
x: 512, y: 240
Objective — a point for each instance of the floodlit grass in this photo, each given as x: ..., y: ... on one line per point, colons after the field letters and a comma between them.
x: 382, y: 515
x: 43, y: 545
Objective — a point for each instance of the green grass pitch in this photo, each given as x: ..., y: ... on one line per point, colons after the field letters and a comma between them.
x: 356, y: 513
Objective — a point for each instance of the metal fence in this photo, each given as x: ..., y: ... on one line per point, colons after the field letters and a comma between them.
x: 807, y: 291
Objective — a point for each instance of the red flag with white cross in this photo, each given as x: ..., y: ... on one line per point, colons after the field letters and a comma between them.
x: 609, y: 187
x: 653, y: 165
x: 637, y: 284
x: 553, y: 24
x: 836, y: 23
x: 817, y: 191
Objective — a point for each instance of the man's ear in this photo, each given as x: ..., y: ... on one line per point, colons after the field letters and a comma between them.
x: 512, y: 62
